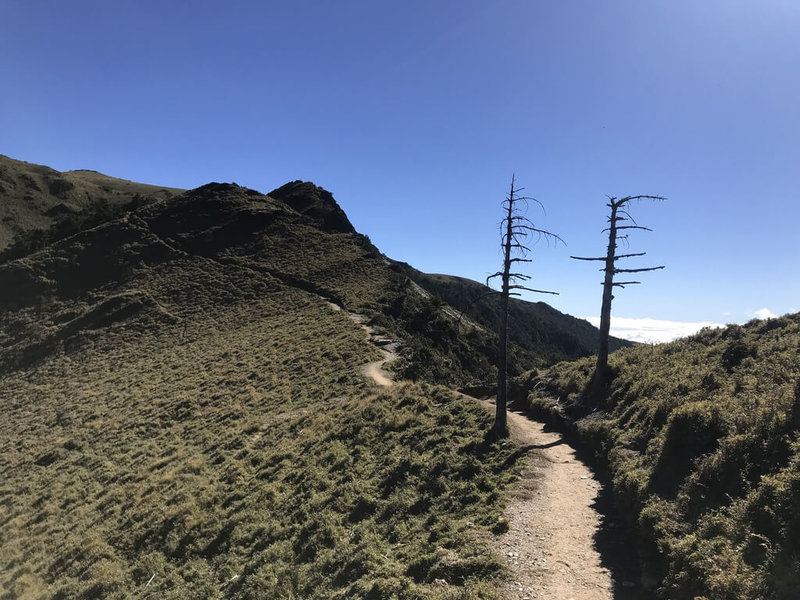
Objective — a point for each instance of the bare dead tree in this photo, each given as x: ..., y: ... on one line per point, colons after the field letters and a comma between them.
x: 620, y: 222
x: 517, y: 231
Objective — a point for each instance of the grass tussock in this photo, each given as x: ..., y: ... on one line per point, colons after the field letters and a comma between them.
x: 219, y: 442
x: 701, y: 438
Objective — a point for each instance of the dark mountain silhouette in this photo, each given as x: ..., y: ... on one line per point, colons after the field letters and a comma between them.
x: 316, y: 203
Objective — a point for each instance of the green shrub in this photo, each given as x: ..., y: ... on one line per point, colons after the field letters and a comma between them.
x: 60, y: 187
x: 702, y: 440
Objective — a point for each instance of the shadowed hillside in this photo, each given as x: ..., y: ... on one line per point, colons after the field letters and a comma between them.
x: 702, y: 438
x: 548, y: 334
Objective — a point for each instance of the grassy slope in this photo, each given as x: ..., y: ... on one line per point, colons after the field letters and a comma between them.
x: 701, y: 437
x: 543, y: 333
x: 36, y: 197
x: 176, y: 408
x: 319, y: 251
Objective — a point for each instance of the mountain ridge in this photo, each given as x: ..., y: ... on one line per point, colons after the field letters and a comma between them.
x: 302, y: 237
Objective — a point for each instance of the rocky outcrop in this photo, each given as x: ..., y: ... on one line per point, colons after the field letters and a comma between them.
x: 314, y: 202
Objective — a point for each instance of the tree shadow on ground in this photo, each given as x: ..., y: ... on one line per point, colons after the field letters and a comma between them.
x: 544, y: 446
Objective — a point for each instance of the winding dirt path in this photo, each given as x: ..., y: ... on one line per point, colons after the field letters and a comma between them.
x: 375, y: 371
x: 549, y: 548
x: 389, y: 348
x: 385, y: 344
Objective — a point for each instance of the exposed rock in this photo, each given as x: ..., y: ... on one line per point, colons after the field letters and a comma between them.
x: 314, y: 202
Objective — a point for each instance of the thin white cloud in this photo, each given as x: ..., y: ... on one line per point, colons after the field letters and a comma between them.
x: 764, y: 313
x: 652, y: 331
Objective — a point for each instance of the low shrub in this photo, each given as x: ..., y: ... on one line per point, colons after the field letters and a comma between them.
x: 702, y: 441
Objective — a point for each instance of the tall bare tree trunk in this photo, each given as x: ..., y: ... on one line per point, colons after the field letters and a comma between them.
x: 516, y: 229
x: 501, y: 418
x: 601, y: 369
x: 616, y: 232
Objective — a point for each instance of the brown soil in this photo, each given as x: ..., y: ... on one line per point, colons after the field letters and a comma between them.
x: 386, y: 345
x: 375, y: 371
x: 550, y: 549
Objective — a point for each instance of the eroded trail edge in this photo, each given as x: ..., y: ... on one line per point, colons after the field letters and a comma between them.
x: 550, y: 545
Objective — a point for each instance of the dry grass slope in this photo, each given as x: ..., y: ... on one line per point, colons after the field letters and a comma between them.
x: 184, y: 417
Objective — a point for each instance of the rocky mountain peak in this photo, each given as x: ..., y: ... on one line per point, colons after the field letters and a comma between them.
x: 314, y: 202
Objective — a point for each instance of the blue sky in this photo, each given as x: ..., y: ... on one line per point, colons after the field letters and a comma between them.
x: 415, y: 115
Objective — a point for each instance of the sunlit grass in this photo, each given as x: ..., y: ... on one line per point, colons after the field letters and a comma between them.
x: 701, y: 436
x: 221, y: 443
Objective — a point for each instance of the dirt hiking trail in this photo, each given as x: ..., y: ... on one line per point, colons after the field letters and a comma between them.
x: 389, y: 348
x: 549, y: 548
x: 386, y: 345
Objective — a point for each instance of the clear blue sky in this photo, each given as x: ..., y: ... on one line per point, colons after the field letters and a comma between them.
x: 415, y: 114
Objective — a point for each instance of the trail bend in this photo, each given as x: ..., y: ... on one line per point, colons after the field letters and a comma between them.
x: 549, y: 549
x: 388, y: 346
